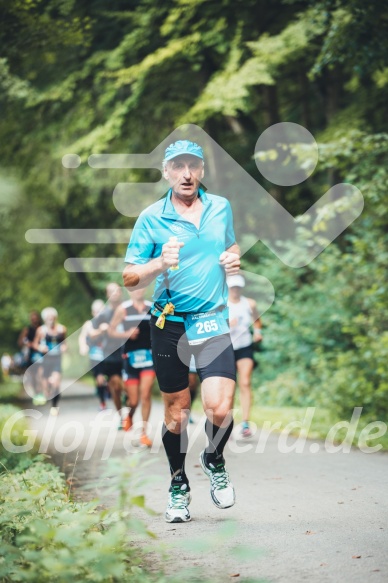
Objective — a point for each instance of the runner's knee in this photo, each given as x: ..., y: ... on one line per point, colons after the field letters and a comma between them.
x: 221, y: 414
x: 132, y: 402
x: 115, y: 385
x: 245, y: 384
x: 176, y: 417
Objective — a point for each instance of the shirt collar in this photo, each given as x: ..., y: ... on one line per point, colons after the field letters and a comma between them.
x: 169, y: 210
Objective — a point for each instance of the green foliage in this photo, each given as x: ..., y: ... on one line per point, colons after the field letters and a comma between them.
x: 9, y: 389
x: 46, y: 536
x: 347, y: 38
x: 86, y: 78
x: 322, y: 421
x: 327, y: 330
x: 17, y: 436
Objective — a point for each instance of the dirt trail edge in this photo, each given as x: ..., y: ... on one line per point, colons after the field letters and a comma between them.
x: 310, y: 516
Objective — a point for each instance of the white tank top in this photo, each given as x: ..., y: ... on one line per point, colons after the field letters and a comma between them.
x: 240, y: 314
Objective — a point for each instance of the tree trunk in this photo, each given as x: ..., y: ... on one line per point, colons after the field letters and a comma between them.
x: 270, y: 117
x: 333, y: 86
x: 70, y: 252
x: 270, y: 103
x: 81, y: 275
x: 304, y: 99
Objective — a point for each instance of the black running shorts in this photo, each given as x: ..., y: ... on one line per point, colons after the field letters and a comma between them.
x: 134, y: 374
x: 112, y: 368
x: 51, y: 364
x: 246, y: 352
x: 171, y: 354
x: 97, y: 368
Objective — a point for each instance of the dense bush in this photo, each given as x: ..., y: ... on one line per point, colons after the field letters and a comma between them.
x: 326, y: 341
x: 9, y: 460
x: 48, y: 537
x: 9, y: 389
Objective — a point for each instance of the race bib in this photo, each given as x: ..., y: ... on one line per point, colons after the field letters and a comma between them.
x: 201, y: 327
x: 96, y: 353
x: 140, y: 358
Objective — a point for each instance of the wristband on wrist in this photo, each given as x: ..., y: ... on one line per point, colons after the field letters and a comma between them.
x: 257, y: 330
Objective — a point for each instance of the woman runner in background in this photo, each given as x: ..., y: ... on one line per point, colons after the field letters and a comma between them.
x: 242, y: 315
x: 50, y: 342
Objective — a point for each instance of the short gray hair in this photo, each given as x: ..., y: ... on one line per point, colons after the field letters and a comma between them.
x: 165, y: 162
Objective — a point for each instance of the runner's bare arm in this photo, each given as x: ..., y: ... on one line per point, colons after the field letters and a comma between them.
x: 257, y: 325
x: 137, y: 276
x: 22, y: 340
x: 96, y: 332
x: 118, y: 317
x: 82, y: 343
x: 234, y: 249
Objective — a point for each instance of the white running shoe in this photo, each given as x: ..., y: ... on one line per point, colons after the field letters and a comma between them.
x: 54, y: 411
x: 39, y: 400
x: 221, y: 488
x: 178, y: 501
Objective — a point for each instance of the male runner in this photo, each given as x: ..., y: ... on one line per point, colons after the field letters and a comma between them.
x: 186, y: 241
x: 93, y: 347
x: 112, y: 364
x: 242, y: 315
x: 139, y: 370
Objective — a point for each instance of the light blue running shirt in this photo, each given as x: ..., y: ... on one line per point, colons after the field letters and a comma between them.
x: 199, y: 284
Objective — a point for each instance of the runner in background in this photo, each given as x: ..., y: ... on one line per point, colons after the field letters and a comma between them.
x: 6, y: 364
x: 242, y: 315
x: 25, y: 342
x: 112, y: 364
x: 93, y: 347
x: 133, y: 315
x: 50, y: 342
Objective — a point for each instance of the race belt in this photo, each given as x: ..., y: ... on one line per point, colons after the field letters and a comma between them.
x: 168, y: 312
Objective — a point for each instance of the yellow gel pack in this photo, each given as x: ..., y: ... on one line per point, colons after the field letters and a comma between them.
x: 168, y: 310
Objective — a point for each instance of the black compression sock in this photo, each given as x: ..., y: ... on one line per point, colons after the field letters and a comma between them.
x: 56, y: 399
x: 218, y: 437
x: 176, y: 449
x: 101, y: 392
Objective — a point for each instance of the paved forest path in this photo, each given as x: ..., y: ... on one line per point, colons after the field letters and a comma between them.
x: 308, y: 515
